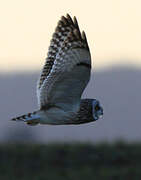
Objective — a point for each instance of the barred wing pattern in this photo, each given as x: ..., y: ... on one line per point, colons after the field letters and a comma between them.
x: 65, y: 25
x: 67, y: 68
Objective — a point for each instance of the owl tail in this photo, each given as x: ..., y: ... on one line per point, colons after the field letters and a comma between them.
x: 30, y: 118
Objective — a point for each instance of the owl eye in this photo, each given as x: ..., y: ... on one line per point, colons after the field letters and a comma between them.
x: 97, y: 107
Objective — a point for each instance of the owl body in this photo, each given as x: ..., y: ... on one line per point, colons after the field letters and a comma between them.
x: 63, y: 79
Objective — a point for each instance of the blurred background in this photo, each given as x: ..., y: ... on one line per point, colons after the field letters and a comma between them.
x: 113, y: 30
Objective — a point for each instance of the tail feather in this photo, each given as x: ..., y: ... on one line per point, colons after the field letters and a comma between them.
x: 30, y: 118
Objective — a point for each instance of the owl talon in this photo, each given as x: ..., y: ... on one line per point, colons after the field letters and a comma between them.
x: 31, y: 123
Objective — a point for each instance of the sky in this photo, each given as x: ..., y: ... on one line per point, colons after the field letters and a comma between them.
x: 113, y: 29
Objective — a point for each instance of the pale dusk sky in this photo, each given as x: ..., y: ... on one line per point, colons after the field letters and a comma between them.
x: 113, y: 29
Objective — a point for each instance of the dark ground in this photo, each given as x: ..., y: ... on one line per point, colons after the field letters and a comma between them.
x: 77, y: 161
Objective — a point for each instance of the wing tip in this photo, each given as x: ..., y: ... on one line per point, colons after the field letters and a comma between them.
x: 73, y: 28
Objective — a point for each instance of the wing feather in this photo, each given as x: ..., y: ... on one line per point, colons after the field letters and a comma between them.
x: 65, y: 25
x: 70, y: 67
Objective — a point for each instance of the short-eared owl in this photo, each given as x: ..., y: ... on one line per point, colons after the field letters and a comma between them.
x: 64, y: 77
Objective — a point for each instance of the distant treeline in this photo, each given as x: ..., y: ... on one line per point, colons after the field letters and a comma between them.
x: 117, y: 161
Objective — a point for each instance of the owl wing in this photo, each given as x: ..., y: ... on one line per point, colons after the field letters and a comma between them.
x: 67, y: 68
x: 65, y: 25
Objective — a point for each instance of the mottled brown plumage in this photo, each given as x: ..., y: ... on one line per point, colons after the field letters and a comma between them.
x: 66, y: 31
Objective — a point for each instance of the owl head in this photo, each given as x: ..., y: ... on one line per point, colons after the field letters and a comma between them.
x: 97, y: 110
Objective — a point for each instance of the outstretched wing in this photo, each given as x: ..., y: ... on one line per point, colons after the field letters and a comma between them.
x: 65, y: 25
x: 67, y: 68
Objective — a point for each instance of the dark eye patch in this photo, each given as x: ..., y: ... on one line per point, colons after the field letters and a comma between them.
x: 97, y: 107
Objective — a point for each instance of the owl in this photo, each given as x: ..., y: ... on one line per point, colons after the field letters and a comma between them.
x: 63, y: 79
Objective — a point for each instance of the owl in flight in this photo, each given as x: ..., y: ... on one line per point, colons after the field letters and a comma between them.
x: 64, y: 77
